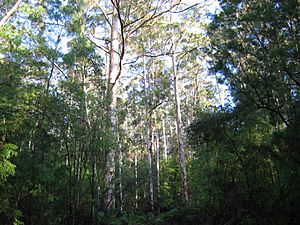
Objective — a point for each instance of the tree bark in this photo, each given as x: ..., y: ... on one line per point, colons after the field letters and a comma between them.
x: 149, y: 148
x: 136, y: 176
x: 113, y: 74
x: 148, y: 141
x: 181, y: 152
x: 165, y: 140
x: 156, y: 140
x: 94, y: 187
x: 121, y: 180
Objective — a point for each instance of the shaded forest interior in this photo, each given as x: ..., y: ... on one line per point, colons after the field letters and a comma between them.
x: 176, y: 112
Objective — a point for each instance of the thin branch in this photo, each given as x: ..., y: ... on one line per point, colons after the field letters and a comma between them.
x: 98, y: 46
x: 291, y: 75
x: 156, y: 106
x: 54, y: 24
x: 7, y: 83
x: 161, y: 54
x: 99, y: 38
x: 51, y: 61
x: 52, y: 65
x: 142, y: 17
x: 10, y: 13
x: 154, y: 16
x: 185, y: 53
x: 104, y: 13
x: 185, y: 9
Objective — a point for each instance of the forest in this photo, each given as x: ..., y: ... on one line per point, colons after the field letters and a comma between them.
x: 149, y: 112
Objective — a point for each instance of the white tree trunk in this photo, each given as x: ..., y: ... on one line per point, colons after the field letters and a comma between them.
x: 136, y: 176
x: 148, y: 141
x: 149, y: 149
x: 121, y: 180
x: 179, y: 129
x: 113, y: 73
x: 157, y: 161
x: 165, y: 140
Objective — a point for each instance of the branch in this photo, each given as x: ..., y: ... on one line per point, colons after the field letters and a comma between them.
x: 6, y: 84
x: 149, y: 56
x: 10, y: 13
x: 46, y: 57
x: 54, y: 24
x: 152, y: 17
x: 154, y: 107
x: 162, y: 54
x: 104, y: 13
x: 184, y: 54
x: 98, y: 46
x: 121, y: 54
x: 291, y: 75
x: 185, y: 9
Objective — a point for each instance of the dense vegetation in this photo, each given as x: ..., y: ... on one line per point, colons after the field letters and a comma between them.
x: 149, y: 112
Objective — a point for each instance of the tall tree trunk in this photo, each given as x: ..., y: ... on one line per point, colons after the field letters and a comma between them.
x: 179, y: 129
x: 121, y: 193
x: 94, y: 187
x: 78, y: 174
x: 113, y: 74
x: 148, y: 127
x: 157, y: 161
x: 165, y: 140
x: 121, y: 180
x: 149, y: 149
x: 136, y: 176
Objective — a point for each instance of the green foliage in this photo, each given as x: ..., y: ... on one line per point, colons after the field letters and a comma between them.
x: 7, y: 151
x: 245, y: 153
x: 243, y: 158
x: 238, y: 168
x: 171, y: 217
x: 254, y: 50
x: 171, y: 183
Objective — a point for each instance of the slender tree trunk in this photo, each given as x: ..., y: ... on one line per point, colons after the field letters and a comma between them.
x: 78, y: 175
x: 165, y: 140
x: 149, y: 148
x: 136, y: 176
x: 95, y: 187
x: 171, y: 130
x: 94, y: 182
x: 179, y: 129
x: 121, y: 180
x: 67, y: 163
x: 157, y: 162
x: 148, y: 141
x: 86, y: 102
x: 114, y: 71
